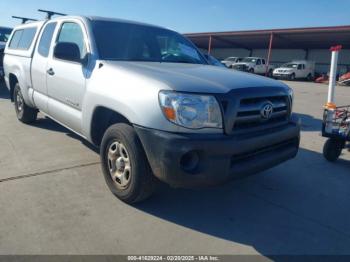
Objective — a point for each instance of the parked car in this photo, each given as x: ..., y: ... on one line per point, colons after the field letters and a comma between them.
x: 4, y: 35
x: 150, y: 103
x: 322, y: 79
x: 213, y: 61
x: 229, y: 61
x: 296, y: 70
x: 255, y: 65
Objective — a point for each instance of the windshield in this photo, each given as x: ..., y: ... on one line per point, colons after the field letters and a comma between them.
x: 290, y: 65
x: 133, y: 42
x: 249, y: 60
x: 4, y: 34
x: 213, y: 61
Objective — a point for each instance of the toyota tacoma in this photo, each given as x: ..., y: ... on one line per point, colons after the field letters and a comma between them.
x: 150, y: 101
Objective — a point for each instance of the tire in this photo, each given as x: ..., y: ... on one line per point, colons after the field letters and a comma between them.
x: 251, y: 70
x: 292, y: 77
x: 24, y: 113
x: 309, y: 77
x: 332, y: 149
x: 270, y: 73
x: 124, y: 164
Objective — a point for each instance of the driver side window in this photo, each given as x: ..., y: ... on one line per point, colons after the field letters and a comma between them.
x: 72, y: 33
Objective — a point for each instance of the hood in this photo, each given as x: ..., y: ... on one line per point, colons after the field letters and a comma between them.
x: 195, y: 78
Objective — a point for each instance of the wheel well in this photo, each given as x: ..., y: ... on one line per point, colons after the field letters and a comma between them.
x: 13, y: 82
x: 102, y: 119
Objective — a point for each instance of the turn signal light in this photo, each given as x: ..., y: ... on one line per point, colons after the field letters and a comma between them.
x: 169, y: 113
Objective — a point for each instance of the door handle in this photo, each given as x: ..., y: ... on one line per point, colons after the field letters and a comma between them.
x: 50, y: 72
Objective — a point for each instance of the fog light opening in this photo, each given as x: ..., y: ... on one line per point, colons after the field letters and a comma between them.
x: 189, y: 161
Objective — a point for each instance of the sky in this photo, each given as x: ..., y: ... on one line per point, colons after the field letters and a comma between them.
x: 187, y: 16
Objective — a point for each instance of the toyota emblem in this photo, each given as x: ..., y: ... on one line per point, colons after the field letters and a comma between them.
x: 266, y: 111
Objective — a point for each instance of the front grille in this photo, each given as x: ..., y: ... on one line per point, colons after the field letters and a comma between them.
x: 240, y: 67
x: 238, y: 159
x: 249, y: 116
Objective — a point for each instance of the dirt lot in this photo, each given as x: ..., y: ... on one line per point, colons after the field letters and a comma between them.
x: 53, y: 198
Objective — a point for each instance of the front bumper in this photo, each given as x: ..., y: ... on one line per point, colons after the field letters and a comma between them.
x: 191, y: 160
x: 242, y: 68
x: 282, y: 75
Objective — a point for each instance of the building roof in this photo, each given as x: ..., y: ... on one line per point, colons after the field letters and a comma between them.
x: 299, y: 38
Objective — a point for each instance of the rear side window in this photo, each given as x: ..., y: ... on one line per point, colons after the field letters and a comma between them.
x: 15, y: 38
x: 46, y: 38
x: 23, y: 38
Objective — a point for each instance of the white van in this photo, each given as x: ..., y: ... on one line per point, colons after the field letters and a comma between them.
x: 296, y: 70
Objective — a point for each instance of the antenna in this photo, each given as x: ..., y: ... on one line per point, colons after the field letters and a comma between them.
x: 24, y: 19
x: 49, y: 14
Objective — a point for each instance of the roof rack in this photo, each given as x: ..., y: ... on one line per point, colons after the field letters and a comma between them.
x: 24, y: 19
x: 49, y: 14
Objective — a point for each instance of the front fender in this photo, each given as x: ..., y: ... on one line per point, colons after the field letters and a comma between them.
x: 133, y: 97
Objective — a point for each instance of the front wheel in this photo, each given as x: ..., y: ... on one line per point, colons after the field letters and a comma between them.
x: 292, y: 77
x: 124, y: 164
x: 332, y: 149
x: 270, y: 73
x: 24, y: 113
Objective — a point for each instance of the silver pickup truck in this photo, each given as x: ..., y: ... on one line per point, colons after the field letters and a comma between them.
x: 150, y: 101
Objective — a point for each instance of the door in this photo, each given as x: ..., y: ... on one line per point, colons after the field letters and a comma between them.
x: 66, y: 79
x: 39, y: 67
x: 299, y: 73
x: 263, y: 66
x: 259, y: 67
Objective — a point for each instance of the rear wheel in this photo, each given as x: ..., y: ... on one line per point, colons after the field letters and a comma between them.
x: 332, y: 149
x: 124, y: 164
x: 24, y: 113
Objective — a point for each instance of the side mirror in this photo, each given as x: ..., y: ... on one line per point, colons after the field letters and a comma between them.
x: 67, y: 51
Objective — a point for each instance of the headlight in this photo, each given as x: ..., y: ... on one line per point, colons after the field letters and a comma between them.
x: 191, y: 111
